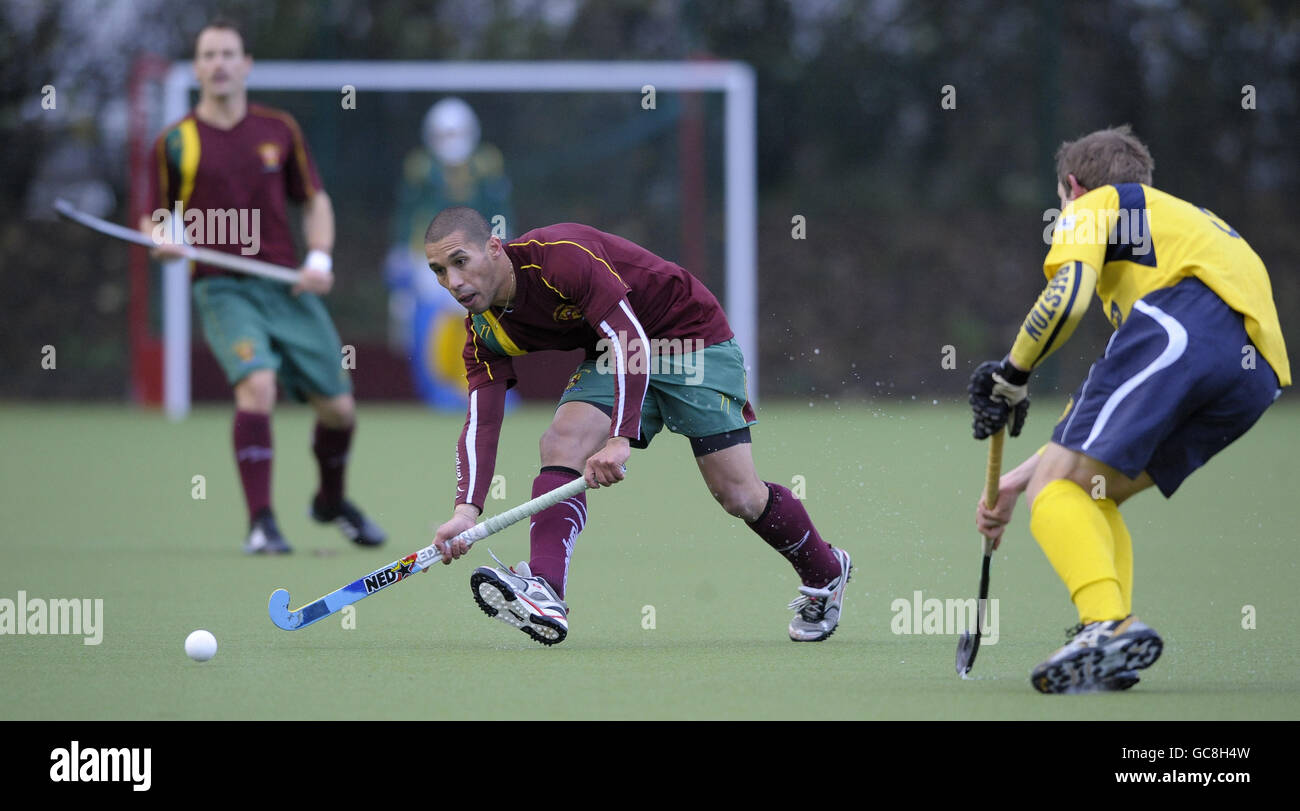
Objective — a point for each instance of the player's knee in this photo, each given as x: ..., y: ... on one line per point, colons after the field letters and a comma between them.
x: 256, y: 392
x: 338, y: 412
x: 548, y: 444
x: 740, y: 502
x: 1057, y: 463
x: 1103, y: 482
x: 561, y: 447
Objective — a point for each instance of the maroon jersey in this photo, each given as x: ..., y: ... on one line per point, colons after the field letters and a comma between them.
x: 578, y: 288
x: 255, y: 166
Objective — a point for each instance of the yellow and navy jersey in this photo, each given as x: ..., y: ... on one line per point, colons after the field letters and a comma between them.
x: 1141, y: 239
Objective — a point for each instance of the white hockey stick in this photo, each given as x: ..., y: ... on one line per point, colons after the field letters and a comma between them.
x: 229, y: 261
x: 399, y: 570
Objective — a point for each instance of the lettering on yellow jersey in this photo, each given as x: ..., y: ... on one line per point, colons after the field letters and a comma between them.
x: 1047, y: 306
x: 1220, y: 224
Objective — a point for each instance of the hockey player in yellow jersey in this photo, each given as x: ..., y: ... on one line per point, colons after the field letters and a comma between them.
x: 1196, y: 358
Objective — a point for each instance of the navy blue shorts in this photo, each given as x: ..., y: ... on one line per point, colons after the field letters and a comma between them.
x: 1176, y: 385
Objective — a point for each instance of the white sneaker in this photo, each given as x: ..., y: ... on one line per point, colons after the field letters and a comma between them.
x: 1099, y: 656
x: 818, y: 610
x: 520, y: 600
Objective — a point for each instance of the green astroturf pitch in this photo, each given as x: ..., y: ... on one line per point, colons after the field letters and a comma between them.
x: 99, y: 504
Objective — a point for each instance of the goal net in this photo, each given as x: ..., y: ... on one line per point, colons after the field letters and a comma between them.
x: 662, y: 153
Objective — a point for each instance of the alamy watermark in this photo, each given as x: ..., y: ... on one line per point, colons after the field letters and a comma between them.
x: 209, y: 226
x: 933, y: 616
x: 77, y: 764
x: 657, y: 356
x: 38, y: 617
x: 1124, y: 226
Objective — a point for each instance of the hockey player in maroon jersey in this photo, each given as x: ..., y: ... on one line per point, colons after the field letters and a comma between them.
x: 238, y: 164
x: 659, y: 353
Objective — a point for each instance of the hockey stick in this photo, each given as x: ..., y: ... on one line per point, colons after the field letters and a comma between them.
x: 969, y: 645
x: 229, y: 261
x: 399, y: 570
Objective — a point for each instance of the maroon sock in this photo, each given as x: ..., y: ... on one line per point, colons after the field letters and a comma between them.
x: 555, y: 529
x: 786, y: 527
x: 253, y: 454
x: 331, y: 448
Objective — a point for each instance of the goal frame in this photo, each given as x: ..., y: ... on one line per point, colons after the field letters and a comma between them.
x: 735, y: 80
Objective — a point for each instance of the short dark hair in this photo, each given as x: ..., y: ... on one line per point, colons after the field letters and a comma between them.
x: 1100, y: 158
x: 458, y: 218
x: 224, y: 24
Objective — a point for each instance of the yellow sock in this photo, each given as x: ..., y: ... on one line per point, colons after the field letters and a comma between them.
x: 1075, y: 536
x: 1123, y: 551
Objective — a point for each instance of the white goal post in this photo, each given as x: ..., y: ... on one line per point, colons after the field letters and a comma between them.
x: 735, y: 80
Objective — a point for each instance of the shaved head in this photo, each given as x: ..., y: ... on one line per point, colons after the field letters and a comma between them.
x: 458, y: 218
x: 468, y: 260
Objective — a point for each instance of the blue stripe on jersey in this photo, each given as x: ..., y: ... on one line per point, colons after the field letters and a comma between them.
x: 1131, y: 232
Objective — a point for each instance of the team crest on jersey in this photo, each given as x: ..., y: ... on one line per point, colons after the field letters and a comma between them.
x: 243, y: 350
x: 567, y: 312
x: 270, y: 155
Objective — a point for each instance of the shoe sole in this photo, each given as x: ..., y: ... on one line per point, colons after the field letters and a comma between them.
x: 497, y: 599
x: 1121, y: 681
x: 1103, y: 668
x: 848, y: 565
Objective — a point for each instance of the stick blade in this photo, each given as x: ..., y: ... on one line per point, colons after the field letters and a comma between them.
x: 966, y: 648
x: 278, y: 608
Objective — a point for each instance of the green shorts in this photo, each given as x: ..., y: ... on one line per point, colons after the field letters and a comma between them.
x: 697, y: 394
x: 253, y: 323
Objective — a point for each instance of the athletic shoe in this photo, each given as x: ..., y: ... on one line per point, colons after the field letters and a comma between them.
x: 1121, y: 681
x: 1099, y: 656
x: 264, y: 536
x: 818, y: 610
x: 520, y: 600
x: 354, y: 526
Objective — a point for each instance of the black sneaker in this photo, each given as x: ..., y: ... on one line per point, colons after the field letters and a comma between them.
x: 264, y: 536
x: 350, y: 521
